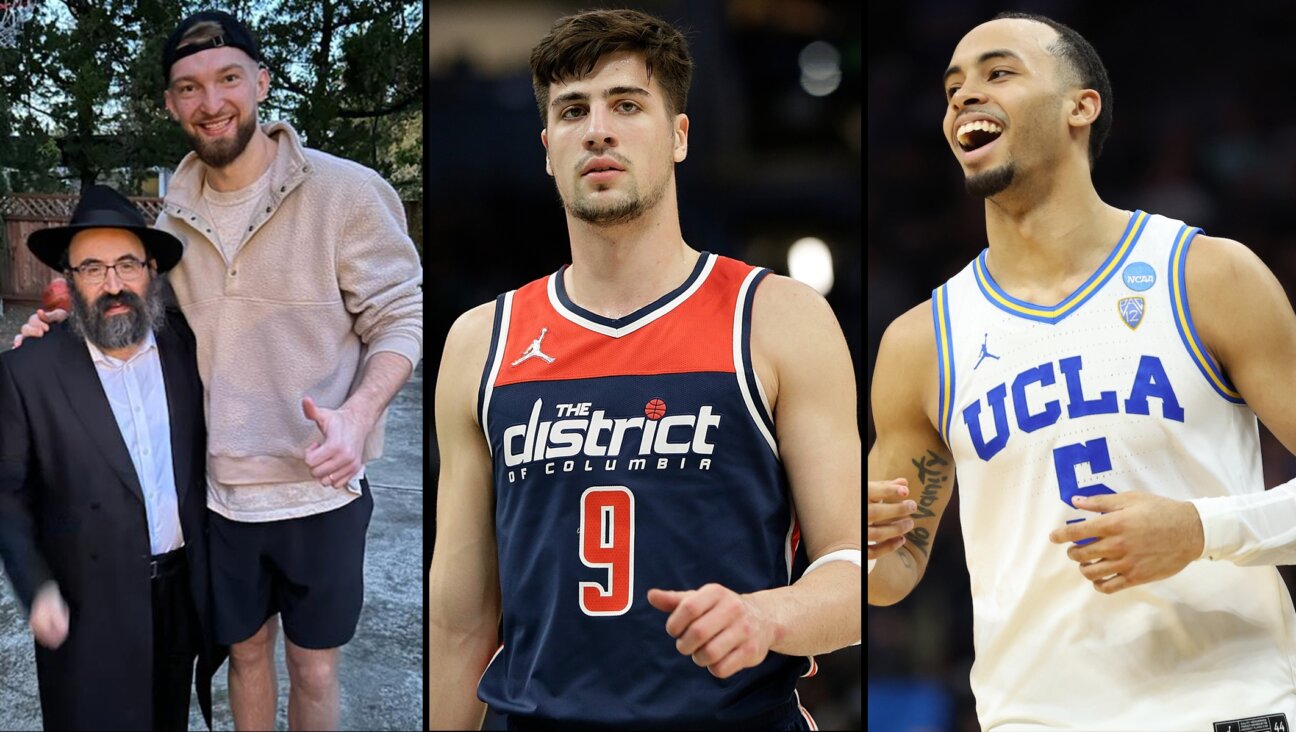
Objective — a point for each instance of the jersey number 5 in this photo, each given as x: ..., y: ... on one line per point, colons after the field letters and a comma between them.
x: 1067, y: 458
x: 607, y: 542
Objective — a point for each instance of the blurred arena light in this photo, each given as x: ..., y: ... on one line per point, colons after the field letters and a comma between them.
x: 810, y: 261
x: 820, y: 68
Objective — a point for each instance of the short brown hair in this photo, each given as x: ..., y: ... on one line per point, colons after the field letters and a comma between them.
x: 575, y: 44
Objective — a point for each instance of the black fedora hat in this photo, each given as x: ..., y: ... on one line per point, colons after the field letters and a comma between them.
x: 102, y: 207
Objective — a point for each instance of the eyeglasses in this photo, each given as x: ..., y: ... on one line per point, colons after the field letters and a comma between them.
x: 129, y: 269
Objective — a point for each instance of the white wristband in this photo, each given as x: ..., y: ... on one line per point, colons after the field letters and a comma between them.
x: 841, y: 555
x: 872, y: 562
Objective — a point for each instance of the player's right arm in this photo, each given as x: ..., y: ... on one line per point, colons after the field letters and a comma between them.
x: 908, y: 447
x: 463, y: 584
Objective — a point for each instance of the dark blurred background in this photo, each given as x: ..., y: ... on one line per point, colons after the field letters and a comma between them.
x: 1204, y: 130
x: 774, y: 157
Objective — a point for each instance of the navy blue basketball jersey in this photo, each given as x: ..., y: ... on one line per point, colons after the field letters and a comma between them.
x: 629, y: 454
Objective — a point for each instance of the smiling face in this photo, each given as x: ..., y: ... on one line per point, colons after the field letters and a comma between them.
x: 1007, y: 101
x: 213, y: 94
x: 611, y: 144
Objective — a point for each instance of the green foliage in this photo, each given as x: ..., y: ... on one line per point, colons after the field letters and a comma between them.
x: 349, y: 74
x: 81, y: 98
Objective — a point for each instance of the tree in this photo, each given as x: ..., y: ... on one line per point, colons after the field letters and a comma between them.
x: 81, y: 97
x: 350, y: 73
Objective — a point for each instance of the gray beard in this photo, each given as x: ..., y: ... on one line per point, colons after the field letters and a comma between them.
x: 118, y: 331
x: 991, y: 182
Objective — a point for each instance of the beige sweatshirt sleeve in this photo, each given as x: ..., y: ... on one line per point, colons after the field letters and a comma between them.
x: 380, y: 274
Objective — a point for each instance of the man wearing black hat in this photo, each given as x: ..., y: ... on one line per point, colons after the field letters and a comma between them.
x: 303, y: 290
x: 102, y: 491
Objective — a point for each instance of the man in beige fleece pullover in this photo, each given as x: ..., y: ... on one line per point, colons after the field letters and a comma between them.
x: 304, y: 292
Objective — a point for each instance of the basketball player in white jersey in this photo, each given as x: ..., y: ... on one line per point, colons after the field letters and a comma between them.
x: 1095, y: 376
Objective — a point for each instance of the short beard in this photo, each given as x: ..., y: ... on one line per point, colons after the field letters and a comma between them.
x: 118, y: 331
x: 621, y: 212
x: 991, y: 182
x: 219, y: 153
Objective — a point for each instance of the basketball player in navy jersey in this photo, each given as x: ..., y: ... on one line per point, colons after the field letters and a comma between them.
x: 631, y: 446
x: 1119, y: 538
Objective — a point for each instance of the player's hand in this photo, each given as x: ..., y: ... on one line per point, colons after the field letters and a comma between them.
x: 49, y: 616
x: 38, y: 324
x: 336, y: 459
x: 888, y: 515
x: 722, y: 630
x: 1141, y: 538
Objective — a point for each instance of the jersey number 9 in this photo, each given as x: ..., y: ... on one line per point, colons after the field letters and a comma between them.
x: 607, y: 542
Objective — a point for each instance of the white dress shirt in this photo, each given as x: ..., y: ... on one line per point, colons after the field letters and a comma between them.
x: 137, y: 395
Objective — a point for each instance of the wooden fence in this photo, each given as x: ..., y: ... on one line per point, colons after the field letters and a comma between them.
x: 23, y: 277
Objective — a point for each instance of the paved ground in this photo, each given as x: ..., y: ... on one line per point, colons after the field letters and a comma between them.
x: 381, y: 673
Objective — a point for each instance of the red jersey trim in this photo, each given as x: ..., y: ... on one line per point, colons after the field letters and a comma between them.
x: 691, y: 332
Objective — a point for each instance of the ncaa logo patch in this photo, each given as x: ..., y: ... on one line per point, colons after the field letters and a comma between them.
x: 1131, y: 311
x: 1139, y: 276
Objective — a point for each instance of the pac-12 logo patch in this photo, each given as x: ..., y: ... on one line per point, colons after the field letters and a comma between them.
x: 1131, y: 311
x: 1139, y: 276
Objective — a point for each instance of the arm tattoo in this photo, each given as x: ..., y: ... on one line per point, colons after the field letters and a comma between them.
x: 932, y: 473
x: 906, y: 559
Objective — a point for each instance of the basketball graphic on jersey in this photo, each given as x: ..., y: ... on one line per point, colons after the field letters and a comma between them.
x: 655, y: 409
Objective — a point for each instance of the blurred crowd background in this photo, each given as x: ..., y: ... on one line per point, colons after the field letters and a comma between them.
x: 774, y: 158
x: 1204, y: 130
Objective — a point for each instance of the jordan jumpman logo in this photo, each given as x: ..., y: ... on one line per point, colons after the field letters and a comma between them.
x: 984, y: 353
x: 533, y: 351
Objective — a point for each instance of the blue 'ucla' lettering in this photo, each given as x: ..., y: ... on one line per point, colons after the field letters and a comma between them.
x: 1077, y: 405
x: 1150, y: 380
x: 1042, y: 375
x: 972, y: 417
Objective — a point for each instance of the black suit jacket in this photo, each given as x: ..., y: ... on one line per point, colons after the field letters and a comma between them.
x: 72, y: 510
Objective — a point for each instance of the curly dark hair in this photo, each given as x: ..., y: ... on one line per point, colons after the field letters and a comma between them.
x: 576, y: 42
x: 1079, y: 55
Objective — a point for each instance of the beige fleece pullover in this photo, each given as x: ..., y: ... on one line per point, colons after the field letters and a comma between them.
x: 326, y: 277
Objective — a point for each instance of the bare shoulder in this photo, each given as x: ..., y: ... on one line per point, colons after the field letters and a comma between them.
x: 471, y: 329
x: 795, y: 332
x: 1215, y: 261
x: 465, y: 356
x: 904, y: 376
x: 784, y: 305
x: 1224, y: 279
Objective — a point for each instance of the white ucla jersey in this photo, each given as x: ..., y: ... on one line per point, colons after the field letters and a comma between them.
x: 1110, y: 390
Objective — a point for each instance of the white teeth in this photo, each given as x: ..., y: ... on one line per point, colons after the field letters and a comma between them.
x: 982, y: 125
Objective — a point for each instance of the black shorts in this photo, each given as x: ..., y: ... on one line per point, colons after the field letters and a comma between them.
x: 310, y: 570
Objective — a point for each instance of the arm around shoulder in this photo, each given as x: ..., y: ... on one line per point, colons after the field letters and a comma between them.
x: 463, y: 584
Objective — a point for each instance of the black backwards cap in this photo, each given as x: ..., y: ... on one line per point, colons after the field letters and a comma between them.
x: 233, y: 34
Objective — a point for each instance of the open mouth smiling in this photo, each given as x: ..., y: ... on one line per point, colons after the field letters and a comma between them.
x: 977, y: 133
